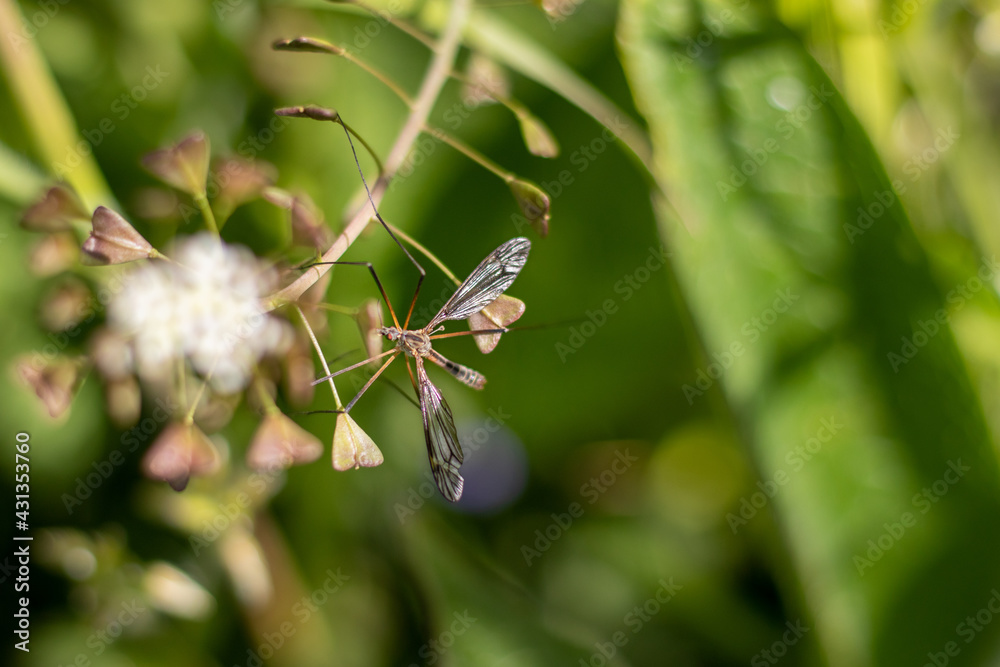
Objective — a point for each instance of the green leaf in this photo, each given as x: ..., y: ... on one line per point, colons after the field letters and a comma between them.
x: 805, y: 278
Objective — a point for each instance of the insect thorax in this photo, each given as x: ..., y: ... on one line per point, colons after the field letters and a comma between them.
x: 413, y: 343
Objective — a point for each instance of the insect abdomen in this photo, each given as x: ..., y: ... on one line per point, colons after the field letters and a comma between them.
x: 463, y: 374
x: 468, y: 376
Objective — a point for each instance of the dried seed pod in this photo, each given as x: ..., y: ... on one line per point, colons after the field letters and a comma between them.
x: 184, y: 165
x: 534, y: 203
x: 281, y: 443
x: 113, y: 240
x: 178, y: 453
x: 352, y: 448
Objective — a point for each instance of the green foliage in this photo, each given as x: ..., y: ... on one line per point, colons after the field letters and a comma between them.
x: 760, y: 428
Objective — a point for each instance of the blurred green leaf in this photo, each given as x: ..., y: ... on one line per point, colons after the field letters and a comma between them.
x: 801, y: 303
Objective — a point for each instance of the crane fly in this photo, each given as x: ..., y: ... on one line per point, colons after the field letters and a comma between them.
x: 484, y: 285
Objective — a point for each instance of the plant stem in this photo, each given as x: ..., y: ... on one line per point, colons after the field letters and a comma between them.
x: 335, y: 308
x: 206, y: 213
x: 46, y: 117
x: 319, y: 353
x: 434, y: 80
x: 426, y: 253
x: 471, y: 153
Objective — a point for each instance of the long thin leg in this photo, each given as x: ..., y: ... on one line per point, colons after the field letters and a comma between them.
x: 474, y: 332
x: 378, y: 282
x: 412, y: 378
x: 385, y: 225
x: 372, y: 379
x: 352, y: 367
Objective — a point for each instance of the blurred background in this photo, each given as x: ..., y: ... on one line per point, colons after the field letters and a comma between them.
x: 758, y: 426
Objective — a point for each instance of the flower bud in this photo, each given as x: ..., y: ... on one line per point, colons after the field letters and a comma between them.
x: 307, y: 45
x: 537, y: 137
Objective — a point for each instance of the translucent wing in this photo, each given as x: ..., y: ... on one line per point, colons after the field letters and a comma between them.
x: 443, y: 449
x: 488, y: 281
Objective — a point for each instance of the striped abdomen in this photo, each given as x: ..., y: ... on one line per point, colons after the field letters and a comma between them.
x: 463, y: 374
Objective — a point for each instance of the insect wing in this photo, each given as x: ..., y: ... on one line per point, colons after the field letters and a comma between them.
x: 443, y: 449
x: 488, y: 281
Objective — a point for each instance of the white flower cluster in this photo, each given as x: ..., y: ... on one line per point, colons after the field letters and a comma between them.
x: 205, y: 307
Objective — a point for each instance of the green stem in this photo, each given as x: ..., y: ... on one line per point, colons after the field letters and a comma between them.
x: 426, y: 253
x: 471, y: 153
x: 334, y: 308
x: 206, y: 213
x: 266, y: 402
x: 49, y: 123
x: 319, y: 353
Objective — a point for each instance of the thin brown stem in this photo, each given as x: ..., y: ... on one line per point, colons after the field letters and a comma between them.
x: 434, y: 80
